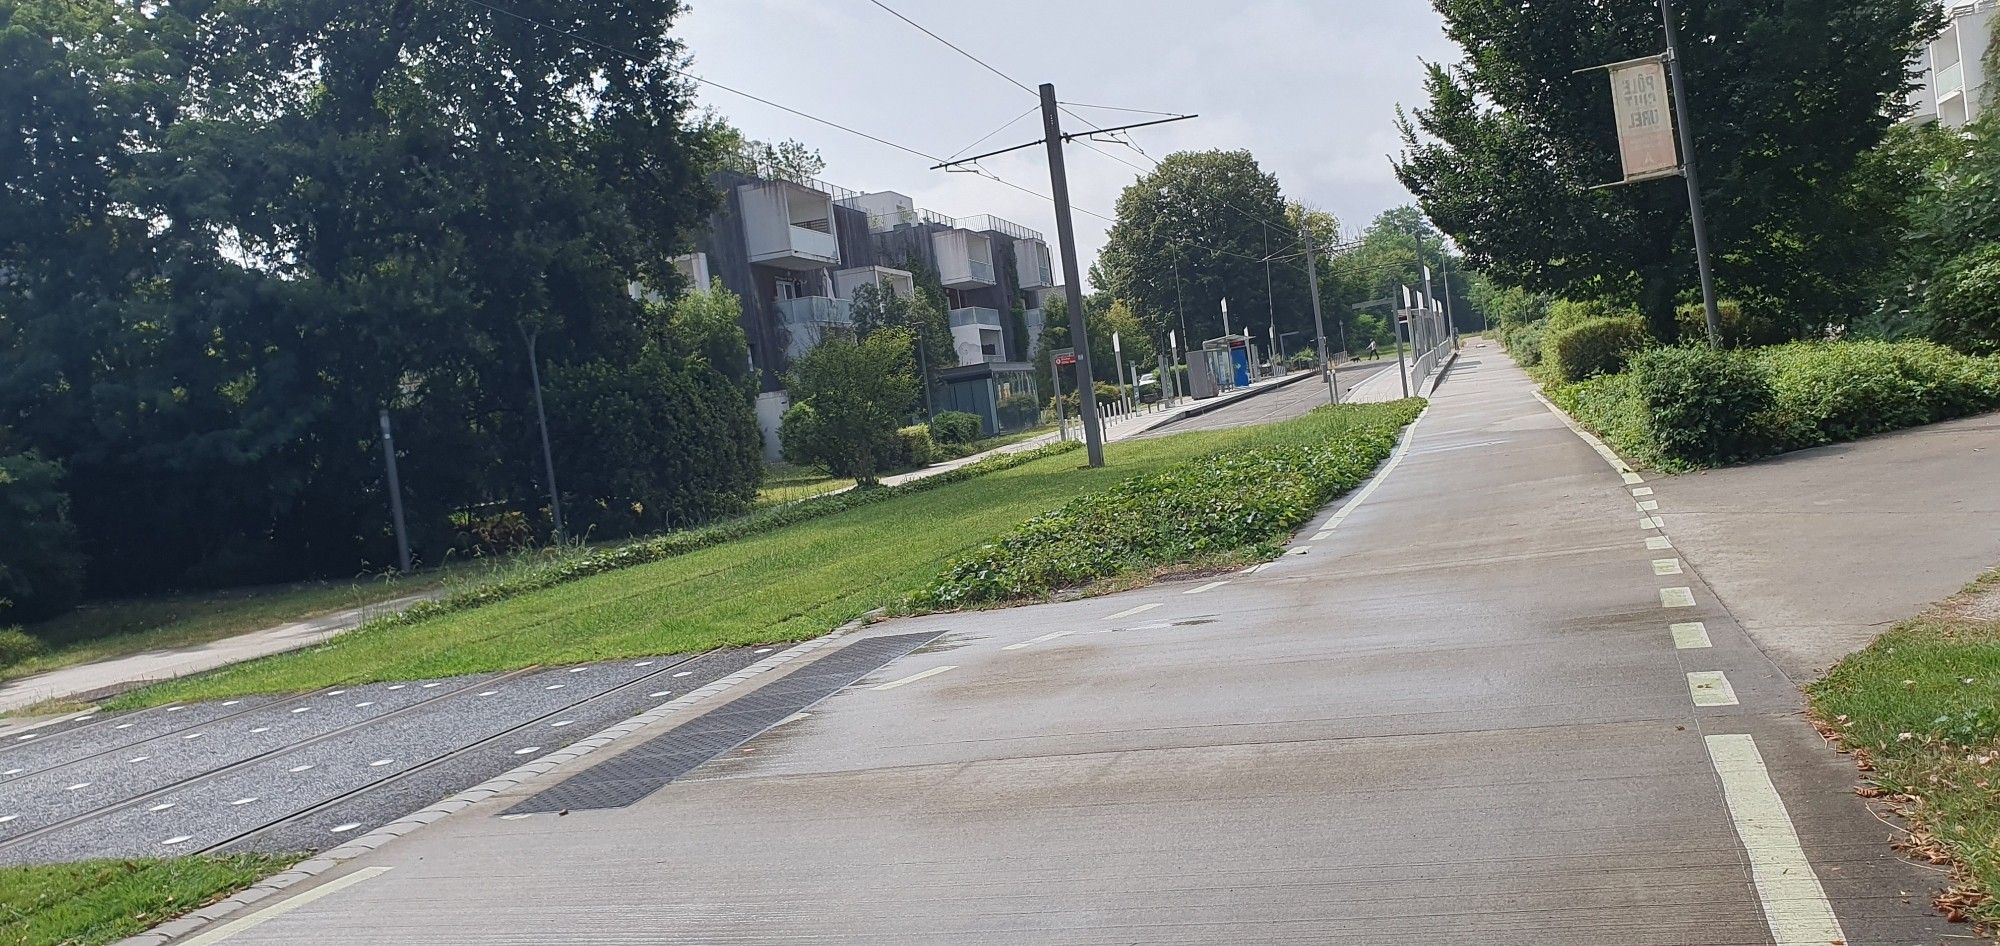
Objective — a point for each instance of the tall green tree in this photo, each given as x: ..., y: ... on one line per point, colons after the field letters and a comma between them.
x: 1197, y: 230
x: 241, y: 229
x: 849, y: 396
x: 1783, y: 98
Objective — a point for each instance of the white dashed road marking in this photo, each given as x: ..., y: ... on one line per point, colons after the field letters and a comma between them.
x: 192, y: 735
x: 1321, y: 536
x: 1649, y: 505
x: 489, y: 693
x: 137, y: 758
x: 177, y: 839
x: 78, y: 786
x: 301, y: 768
x: 1666, y: 566
x: 364, y: 703
x: 1128, y: 612
x: 242, y: 801
x: 558, y: 724
x: 6, y: 818
x: 1643, y: 491
x: 161, y: 807
x: 262, y: 729
x: 525, y: 750
x: 659, y: 694
x: 1711, y: 688
x: 1677, y: 597
x: 1633, y: 479
x: 342, y: 829
x: 1692, y: 635
x: 302, y: 709
x: 912, y: 678
x: 684, y: 673
x: 1795, y: 904
x: 1658, y: 542
x: 554, y: 686
x: 1045, y: 637
x: 1211, y: 586
x: 380, y: 762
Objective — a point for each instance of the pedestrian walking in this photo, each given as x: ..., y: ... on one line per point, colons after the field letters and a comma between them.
x: 1373, y: 351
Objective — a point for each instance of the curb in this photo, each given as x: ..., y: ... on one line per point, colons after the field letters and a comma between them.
x: 320, y: 864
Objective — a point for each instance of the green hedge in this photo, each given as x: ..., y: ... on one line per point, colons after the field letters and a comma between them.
x: 1189, y: 511
x: 1593, y: 347
x: 1524, y: 342
x: 17, y: 645
x: 955, y: 427
x: 1703, y: 408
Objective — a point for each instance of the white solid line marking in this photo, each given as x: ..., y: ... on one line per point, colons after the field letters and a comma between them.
x: 1692, y: 635
x: 1711, y: 688
x: 242, y: 801
x: 1128, y: 612
x: 1643, y: 491
x: 380, y: 762
x: 1045, y: 637
x: 1300, y: 550
x: 1795, y: 904
x: 342, y: 829
x: 1321, y: 536
x: 1658, y: 542
x: 1211, y: 586
x: 912, y: 678
x: 1395, y: 460
x: 301, y: 768
x: 324, y: 890
x: 527, y: 749
x: 162, y: 807
x: 176, y: 839
x: 1677, y: 597
x: 1666, y: 566
x: 1649, y: 505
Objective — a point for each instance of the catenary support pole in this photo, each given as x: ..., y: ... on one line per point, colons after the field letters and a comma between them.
x: 1319, y: 323
x: 1079, y: 333
x: 1695, y: 215
x: 548, y: 455
x: 1401, y: 369
x: 395, y: 495
x: 1055, y: 381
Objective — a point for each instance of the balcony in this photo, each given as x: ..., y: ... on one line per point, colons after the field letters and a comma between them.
x: 808, y: 320
x: 1033, y: 267
x: 788, y: 225
x: 899, y: 282
x: 964, y: 259
x: 976, y: 316
x: 694, y: 267
x: 977, y: 337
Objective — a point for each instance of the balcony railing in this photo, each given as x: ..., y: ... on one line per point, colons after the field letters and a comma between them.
x: 976, y: 315
x: 1951, y: 80
x: 989, y: 222
x: 817, y: 311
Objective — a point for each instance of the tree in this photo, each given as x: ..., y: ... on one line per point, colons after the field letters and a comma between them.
x: 236, y: 231
x: 849, y: 396
x: 1196, y: 231
x: 41, y: 571
x: 1102, y: 316
x: 1783, y: 98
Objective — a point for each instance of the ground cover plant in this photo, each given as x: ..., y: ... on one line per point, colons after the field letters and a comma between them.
x: 97, y: 902
x: 1920, y: 710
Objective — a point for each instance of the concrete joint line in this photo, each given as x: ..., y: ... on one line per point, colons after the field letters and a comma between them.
x: 513, y: 778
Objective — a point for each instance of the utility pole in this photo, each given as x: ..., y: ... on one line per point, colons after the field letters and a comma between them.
x: 1695, y: 215
x: 1396, y: 325
x: 1319, y: 323
x: 548, y: 456
x: 1055, y: 380
x: 1444, y: 271
x: 924, y: 363
x: 395, y: 495
x: 1079, y: 333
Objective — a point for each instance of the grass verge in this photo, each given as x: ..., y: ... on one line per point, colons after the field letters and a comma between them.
x: 1244, y: 501
x: 807, y: 569
x: 1920, y: 711
x: 106, y: 630
x: 97, y: 902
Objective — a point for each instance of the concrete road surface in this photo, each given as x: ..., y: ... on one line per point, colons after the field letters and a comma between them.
x: 1485, y: 702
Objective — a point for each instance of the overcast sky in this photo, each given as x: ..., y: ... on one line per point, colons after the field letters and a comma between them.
x: 1308, y: 86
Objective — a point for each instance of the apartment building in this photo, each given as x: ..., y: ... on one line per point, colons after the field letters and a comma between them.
x: 1953, y: 86
x: 796, y: 252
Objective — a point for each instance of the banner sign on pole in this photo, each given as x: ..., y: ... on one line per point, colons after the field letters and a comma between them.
x: 1645, y: 121
x: 1065, y: 357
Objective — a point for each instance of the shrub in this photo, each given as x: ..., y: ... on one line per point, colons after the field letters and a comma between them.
x: 852, y: 392
x: 1569, y: 313
x: 1108, y: 393
x: 1018, y: 411
x: 1703, y: 407
x: 1213, y: 505
x: 1302, y: 360
x: 16, y: 646
x: 913, y: 448
x: 1593, y: 347
x: 1829, y: 392
x: 1610, y: 405
x: 955, y: 427
x: 1524, y: 342
x: 1742, y: 326
x: 1964, y: 301
x: 41, y: 568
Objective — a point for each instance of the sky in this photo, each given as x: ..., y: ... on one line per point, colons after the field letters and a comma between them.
x: 1310, y: 87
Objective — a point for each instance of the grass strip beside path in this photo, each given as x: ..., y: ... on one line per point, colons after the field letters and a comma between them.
x: 771, y: 579
x: 97, y: 902
x: 1237, y: 503
x: 1920, y: 710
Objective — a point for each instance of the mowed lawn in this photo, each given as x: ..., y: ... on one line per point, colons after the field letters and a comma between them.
x: 99, y: 902
x: 791, y: 584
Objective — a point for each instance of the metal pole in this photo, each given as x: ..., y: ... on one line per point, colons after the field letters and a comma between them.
x: 1444, y: 270
x: 395, y: 495
x: 1055, y: 379
x: 1072, y: 274
x: 1695, y: 215
x: 548, y: 456
x: 1396, y: 320
x: 924, y: 363
x: 1319, y: 323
